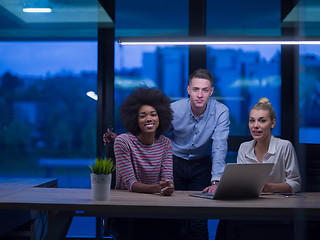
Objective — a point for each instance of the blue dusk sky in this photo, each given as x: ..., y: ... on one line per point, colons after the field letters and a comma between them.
x: 40, y: 58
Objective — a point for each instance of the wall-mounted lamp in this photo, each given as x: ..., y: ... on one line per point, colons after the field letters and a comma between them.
x: 218, y: 41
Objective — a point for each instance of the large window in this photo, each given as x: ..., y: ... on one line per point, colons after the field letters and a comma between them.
x: 243, y: 74
x: 309, y: 94
x: 45, y: 112
x: 165, y: 68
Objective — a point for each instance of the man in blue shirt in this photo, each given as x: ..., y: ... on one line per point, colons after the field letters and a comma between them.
x: 200, y: 129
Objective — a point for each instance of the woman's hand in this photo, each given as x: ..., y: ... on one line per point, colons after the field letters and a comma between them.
x: 109, y: 136
x: 268, y: 188
x: 166, y: 187
x: 277, y: 187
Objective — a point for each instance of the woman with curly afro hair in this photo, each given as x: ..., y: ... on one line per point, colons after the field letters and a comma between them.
x: 143, y: 155
x: 146, y: 96
x: 144, y: 160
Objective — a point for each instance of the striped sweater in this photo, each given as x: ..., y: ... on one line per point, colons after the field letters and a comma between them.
x: 136, y: 162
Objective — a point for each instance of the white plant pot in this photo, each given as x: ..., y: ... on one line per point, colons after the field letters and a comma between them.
x: 100, y: 186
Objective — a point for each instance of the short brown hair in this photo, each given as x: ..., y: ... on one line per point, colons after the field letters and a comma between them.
x: 202, y: 74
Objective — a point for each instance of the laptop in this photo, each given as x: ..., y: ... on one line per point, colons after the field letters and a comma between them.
x: 240, y: 181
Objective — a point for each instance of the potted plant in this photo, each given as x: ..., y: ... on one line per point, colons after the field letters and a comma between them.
x: 101, y: 178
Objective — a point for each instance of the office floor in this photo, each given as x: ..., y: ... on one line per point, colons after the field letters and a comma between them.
x: 85, y: 227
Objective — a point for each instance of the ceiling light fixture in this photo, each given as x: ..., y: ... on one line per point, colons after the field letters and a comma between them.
x: 37, y: 10
x: 218, y: 41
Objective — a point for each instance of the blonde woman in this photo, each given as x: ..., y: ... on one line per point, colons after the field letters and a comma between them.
x: 284, y: 177
x: 265, y: 148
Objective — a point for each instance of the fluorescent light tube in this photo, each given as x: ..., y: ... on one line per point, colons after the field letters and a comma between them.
x: 225, y: 43
x: 37, y: 10
x: 189, y: 41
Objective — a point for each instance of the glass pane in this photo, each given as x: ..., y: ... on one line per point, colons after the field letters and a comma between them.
x: 305, y: 17
x: 163, y: 67
x: 245, y: 17
x: 46, y: 113
x: 244, y: 74
x: 309, y: 94
x: 151, y: 18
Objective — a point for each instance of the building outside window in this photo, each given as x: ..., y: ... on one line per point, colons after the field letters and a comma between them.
x: 309, y: 94
x: 45, y: 110
x: 242, y: 75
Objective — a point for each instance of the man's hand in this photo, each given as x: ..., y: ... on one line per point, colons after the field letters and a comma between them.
x: 210, y: 189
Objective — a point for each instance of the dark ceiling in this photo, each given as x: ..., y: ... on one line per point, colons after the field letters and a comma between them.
x: 79, y: 19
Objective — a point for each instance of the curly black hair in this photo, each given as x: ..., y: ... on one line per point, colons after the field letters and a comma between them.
x: 146, y: 96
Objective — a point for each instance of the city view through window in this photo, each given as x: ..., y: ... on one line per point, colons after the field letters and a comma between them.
x: 45, y: 112
x: 309, y: 94
x: 241, y: 74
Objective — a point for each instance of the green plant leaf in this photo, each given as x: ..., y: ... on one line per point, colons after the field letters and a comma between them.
x: 105, y: 166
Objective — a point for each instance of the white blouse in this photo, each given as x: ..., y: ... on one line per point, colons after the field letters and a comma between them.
x: 282, y: 154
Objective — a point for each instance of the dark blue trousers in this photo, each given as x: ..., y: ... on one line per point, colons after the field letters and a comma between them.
x: 192, y: 175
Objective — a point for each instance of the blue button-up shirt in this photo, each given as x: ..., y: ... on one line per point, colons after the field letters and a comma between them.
x: 197, y: 138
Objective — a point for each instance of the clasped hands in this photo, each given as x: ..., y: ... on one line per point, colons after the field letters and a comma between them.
x: 166, y: 187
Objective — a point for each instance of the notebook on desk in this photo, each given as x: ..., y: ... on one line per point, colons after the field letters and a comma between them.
x: 240, y: 181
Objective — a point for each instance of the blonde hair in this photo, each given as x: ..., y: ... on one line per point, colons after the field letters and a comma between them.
x: 265, y: 104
